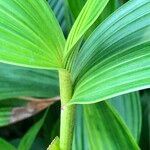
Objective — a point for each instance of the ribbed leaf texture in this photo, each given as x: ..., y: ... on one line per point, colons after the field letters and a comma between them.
x: 30, y: 34
x: 19, y: 81
x: 128, y: 107
x: 76, y: 6
x: 116, y: 58
x: 102, y: 122
x: 59, y: 9
x: 88, y: 15
x: 6, y: 110
x: 99, y: 126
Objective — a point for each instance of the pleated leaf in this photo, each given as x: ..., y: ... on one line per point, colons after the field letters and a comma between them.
x: 6, y: 110
x: 102, y: 122
x: 125, y: 107
x: 5, y: 145
x: 80, y: 139
x: 116, y: 58
x: 109, y: 9
x: 58, y: 7
x: 128, y: 107
x: 88, y: 15
x: 19, y: 81
x: 76, y: 6
x: 145, y: 136
x: 30, y: 34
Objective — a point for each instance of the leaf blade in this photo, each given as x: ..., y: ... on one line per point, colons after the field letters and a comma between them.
x: 15, y: 110
x: 116, y: 62
x: 28, y: 139
x: 125, y: 107
x: 128, y: 106
x: 88, y: 15
x: 19, y: 81
x: 7, y: 145
x: 26, y: 29
x: 96, y: 121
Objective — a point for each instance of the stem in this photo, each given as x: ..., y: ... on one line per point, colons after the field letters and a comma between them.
x: 67, y: 112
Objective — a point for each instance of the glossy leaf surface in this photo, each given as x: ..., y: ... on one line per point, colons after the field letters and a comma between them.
x: 88, y: 15
x: 116, y: 58
x: 30, y: 34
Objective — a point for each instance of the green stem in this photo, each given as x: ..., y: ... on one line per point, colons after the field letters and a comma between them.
x: 67, y: 112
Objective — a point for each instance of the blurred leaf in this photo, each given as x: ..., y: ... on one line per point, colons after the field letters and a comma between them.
x: 56, y: 129
x: 128, y: 107
x: 30, y: 34
x: 115, y: 58
x: 103, y: 123
x: 54, y: 145
x: 4, y: 145
x: 52, y: 124
x: 122, y: 115
x: 39, y: 144
x: 80, y: 139
x: 145, y: 136
x: 19, y: 81
x: 14, y: 110
x: 59, y: 9
x: 28, y: 139
x: 76, y: 6
x: 6, y: 110
x: 88, y: 15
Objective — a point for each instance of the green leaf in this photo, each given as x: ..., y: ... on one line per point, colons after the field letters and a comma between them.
x: 59, y: 8
x: 30, y: 34
x: 5, y: 145
x: 109, y: 9
x: 116, y: 58
x: 80, y: 139
x: 145, y: 136
x: 88, y: 15
x: 55, y: 144
x: 14, y: 110
x: 28, y: 139
x: 104, y: 124
x: 76, y: 6
x: 128, y: 107
x: 6, y: 110
x: 19, y: 81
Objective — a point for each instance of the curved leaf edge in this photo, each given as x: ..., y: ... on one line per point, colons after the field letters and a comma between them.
x: 77, y: 101
x: 121, y: 121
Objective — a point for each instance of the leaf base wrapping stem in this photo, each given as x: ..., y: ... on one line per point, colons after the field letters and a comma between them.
x: 67, y: 112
